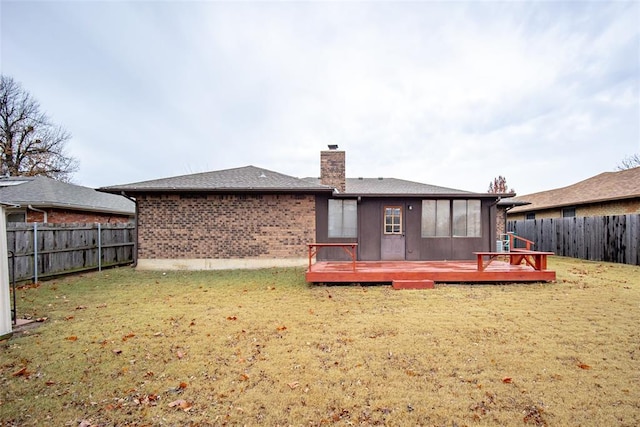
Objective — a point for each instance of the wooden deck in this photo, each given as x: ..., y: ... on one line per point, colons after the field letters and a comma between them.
x: 439, y: 271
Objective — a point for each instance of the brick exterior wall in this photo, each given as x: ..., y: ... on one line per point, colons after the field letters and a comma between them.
x: 501, y: 223
x: 619, y: 207
x: 225, y: 226
x: 332, y: 169
x: 59, y: 216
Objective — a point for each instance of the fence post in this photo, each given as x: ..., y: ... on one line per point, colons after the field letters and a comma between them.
x: 99, y: 249
x: 35, y: 252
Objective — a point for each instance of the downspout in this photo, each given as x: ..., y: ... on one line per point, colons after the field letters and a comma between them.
x: 135, y: 233
x: 494, y: 227
x: 39, y: 210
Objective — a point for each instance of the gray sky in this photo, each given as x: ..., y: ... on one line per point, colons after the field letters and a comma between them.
x: 445, y: 93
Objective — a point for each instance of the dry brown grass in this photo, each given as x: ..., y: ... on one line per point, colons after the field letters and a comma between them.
x: 122, y: 347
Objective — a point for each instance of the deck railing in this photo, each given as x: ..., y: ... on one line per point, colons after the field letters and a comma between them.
x: 512, y: 238
x: 349, y: 248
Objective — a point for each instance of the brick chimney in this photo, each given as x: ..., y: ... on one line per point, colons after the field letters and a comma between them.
x: 332, y: 168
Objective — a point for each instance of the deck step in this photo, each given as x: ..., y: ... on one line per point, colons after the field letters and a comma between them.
x: 413, y: 284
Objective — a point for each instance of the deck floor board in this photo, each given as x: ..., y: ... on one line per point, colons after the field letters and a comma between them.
x: 438, y: 271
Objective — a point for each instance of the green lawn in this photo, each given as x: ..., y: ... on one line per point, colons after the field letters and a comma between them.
x: 123, y: 347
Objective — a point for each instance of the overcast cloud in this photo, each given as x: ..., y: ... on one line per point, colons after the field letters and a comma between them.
x: 445, y: 93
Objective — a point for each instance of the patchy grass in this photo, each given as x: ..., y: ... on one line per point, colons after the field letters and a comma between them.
x: 123, y: 347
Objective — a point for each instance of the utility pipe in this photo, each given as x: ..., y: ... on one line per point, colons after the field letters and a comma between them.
x: 39, y: 210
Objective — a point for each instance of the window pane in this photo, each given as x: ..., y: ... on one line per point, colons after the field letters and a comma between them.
x: 436, y: 218
x: 428, y: 218
x: 343, y: 218
x: 335, y: 218
x: 459, y: 218
x: 474, y: 224
x: 350, y: 218
x: 392, y: 220
x: 443, y: 225
x: 16, y: 217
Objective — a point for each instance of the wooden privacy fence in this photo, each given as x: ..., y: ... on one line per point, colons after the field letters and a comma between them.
x: 603, y: 238
x: 38, y: 251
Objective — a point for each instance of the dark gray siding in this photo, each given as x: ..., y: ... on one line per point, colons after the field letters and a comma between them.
x: 370, y: 213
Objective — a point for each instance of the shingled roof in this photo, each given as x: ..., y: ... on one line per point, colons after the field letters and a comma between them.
x: 244, y: 179
x: 607, y: 186
x: 43, y: 192
x: 254, y: 179
x: 391, y: 187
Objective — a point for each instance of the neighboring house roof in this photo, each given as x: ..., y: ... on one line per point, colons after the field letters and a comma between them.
x: 608, y: 186
x: 42, y: 192
x: 244, y: 179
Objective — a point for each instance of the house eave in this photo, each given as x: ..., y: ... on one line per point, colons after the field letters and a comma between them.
x: 419, y: 195
x: 230, y: 190
x: 69, y: 206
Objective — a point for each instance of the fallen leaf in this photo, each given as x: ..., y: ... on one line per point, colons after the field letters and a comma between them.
x: 22, y: 372
x: 117, y: 351
x: 293, y: 385
x: 69, y: 318
x: 85, y: 423
x: 507, y: 380
x: 282, y: 328
x: 72, y: 338
x: 179, y: 354
x: 244, y: 377
x: 50, y: 382
x: 182, y: 404
x: 232, y: 318
x: 126, y: 337
x: 182, y: 385
x: 584, y: 366
x: 81, y: 307
x: 101, y: 306
x: 41, y: 319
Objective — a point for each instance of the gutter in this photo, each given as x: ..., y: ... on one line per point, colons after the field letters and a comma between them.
x: 135, y: 237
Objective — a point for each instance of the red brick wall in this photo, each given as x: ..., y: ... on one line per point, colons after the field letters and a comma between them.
x: 501, y: 227
x: 332, y: 169
x: 225, y: 226
x: 57, y: 216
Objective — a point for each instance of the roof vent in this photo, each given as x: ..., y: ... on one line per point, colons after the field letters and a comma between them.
x: 262, y: 175
x: 380, y: 178
x: 360, y: 178
x: 333, y: 146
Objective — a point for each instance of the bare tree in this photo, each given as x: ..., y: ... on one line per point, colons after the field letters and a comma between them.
x: 29, y: 143
x: 629, y: 162
x: 499, y: 186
